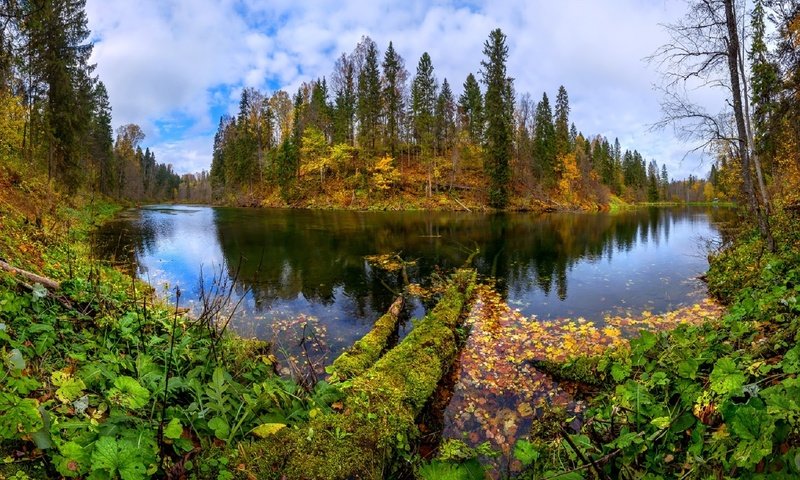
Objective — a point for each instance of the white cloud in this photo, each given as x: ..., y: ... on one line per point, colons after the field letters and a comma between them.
x: 175, y: 60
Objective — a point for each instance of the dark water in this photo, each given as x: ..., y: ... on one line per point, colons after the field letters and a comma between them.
x: 311, y: 263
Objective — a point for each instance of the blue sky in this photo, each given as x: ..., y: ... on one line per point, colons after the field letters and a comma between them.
x: 174, y: 66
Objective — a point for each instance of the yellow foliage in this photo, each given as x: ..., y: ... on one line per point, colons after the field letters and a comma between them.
x: 12, y: 124
x: 570, y: 175
x: 384, y: 174
x: 708, y: 192
x: 314, y: 154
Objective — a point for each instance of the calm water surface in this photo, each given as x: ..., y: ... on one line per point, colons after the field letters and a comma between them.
x: 311, y: 263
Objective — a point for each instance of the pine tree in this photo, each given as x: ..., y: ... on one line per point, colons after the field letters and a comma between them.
x: 58, y: 52
x: 562, y: 123
x: 423, y: 104
x: 544, y: 147
x: 470, y: 104
x: 394, y: 79
x: 445, y: 119
x: 344, y: 109
x: 499, y: 123
x: 652, y: 181
x: 369, y: 99
x: 102, y: 142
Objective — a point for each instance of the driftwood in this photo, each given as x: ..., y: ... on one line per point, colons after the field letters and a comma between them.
x: 51, y: 285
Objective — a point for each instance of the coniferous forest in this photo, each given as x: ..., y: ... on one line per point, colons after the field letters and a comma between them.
x: 413, y: 345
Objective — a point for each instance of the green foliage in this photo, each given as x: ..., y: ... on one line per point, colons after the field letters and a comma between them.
x: 88, y: 391
x: 707, y: 401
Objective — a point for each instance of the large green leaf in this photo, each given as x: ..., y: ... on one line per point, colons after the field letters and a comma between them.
x: 128, y: 392
x: 118, y: 458
x: 220, y: 427
x: 726, y: 378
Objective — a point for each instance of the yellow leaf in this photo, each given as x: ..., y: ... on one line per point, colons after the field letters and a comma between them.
x: 267, y: 429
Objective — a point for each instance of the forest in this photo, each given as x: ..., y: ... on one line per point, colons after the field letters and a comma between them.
x: 104, y: 375
x: 378, y: 137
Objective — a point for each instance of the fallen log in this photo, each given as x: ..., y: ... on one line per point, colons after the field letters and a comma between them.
x: 378, y: 415
x: 366, y: 351
x: 49, y: 284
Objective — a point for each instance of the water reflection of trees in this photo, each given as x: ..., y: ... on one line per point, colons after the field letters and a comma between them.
x: 123, y: 240
x: 319, y: 254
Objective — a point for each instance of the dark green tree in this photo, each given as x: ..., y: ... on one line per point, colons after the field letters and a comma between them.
x: 102, y: 142
x: 344, y: 104
x: 423, y: 104
x: 58, y: 53
x: 369, y: 100
x: 394, y: 80
x: 445, y: 122
x: 470, y: 105
x: 562, y: 140
x: 499, y: 117
x: 652, y: 181
x: 544, y: 141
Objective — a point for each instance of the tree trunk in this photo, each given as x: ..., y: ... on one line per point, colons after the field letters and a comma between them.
x: 741, y: 127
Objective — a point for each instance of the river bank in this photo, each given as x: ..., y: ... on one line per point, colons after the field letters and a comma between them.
x: 116, y: 382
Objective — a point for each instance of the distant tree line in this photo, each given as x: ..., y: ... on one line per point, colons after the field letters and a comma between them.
x: 55, y: 116
x: 375, y: 125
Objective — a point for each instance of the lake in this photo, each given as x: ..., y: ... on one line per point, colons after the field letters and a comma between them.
x: 290, y: 264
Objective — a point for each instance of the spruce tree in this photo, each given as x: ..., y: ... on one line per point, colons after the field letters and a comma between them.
x: 394, y: 76
x: 445, y: 119
x: 562, y: 123
x: 499, y: 122
x: 369, y: 99
x: 470, y: 104
x: 544, y: 147
x: 423, y: 104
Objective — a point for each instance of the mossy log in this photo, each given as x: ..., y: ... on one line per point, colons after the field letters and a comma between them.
x: 579, y: 369
x: 366, y: 351
x: 380, y: 409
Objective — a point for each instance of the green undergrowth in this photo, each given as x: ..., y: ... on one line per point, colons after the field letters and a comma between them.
x: 719, y: 400
x: 100, y: 381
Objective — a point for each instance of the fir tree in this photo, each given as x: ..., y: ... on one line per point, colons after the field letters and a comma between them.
x: 369, y: 99
x: 499, y: 122
x: 394, y: 75
x: 544, y: 148
x: 470, y: 104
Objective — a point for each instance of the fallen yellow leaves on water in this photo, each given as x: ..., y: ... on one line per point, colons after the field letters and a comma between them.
x: 498, y: 393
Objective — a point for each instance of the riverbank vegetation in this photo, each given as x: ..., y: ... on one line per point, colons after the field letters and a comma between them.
x: 101, y: 380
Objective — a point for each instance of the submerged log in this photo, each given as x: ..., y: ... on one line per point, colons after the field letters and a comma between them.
x: 366, y: 351
x: 379, y: 412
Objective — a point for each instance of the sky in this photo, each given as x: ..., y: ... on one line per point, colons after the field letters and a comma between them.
x: 175, y: 66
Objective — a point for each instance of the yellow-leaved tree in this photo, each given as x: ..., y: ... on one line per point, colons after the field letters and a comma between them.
x: 12, y: 124
x: 384, y: 174
x: 315, y: 154
x: 569, y: 183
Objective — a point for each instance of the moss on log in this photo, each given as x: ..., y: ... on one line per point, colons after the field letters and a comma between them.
x: 366, y: 351
x: 379, y: 411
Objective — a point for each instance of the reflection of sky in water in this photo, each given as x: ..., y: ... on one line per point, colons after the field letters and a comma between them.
x: 550, y: 266
x: 659, y: 273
